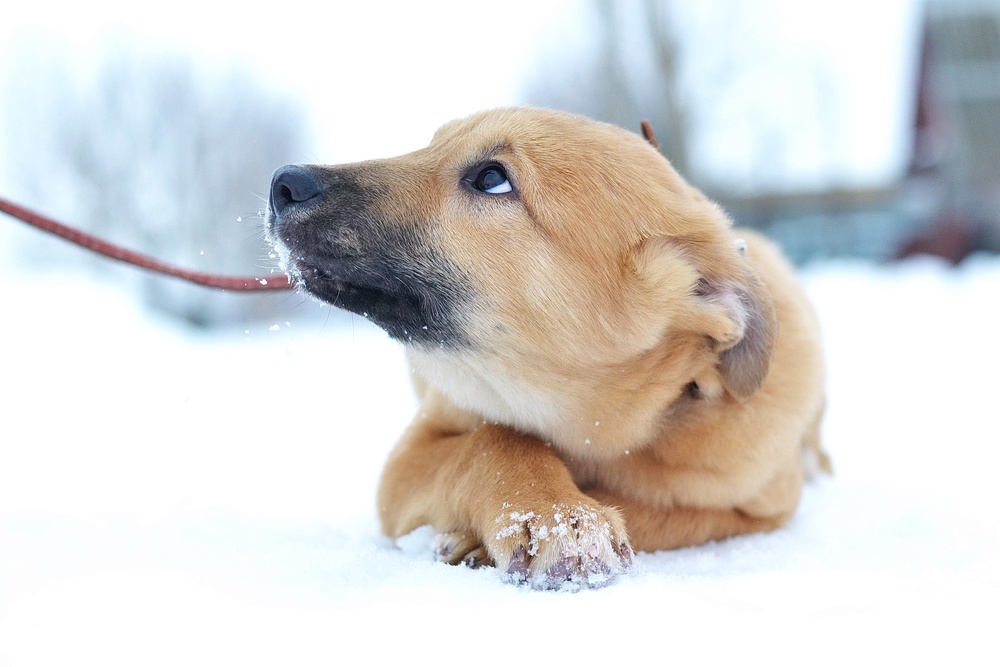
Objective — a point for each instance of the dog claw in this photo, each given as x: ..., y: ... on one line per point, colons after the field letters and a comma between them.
x: 518, y: 568
x: 575, y: 574
x: 576, y: 569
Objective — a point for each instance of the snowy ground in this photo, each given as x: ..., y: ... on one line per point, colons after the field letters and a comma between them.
x: 168, y: 497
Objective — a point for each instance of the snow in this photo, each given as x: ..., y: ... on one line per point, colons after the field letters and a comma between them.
x: 174, y: 497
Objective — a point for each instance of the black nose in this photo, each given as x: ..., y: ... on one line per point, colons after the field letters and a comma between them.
x: 292, y: 184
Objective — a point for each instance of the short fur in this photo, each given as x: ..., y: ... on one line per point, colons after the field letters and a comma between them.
x: 602, y: 362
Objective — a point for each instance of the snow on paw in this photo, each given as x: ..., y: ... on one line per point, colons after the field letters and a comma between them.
x: 567, y: 547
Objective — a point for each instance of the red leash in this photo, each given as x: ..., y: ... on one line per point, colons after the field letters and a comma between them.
x: 236, y: 283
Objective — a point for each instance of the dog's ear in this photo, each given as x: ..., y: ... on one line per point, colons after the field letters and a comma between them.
x: 726, y: 302
x: 745, y: 330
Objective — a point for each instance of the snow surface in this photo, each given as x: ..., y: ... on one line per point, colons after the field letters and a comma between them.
x: 169, y: 497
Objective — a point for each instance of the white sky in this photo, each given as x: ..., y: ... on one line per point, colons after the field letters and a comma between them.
x: 380, y: 76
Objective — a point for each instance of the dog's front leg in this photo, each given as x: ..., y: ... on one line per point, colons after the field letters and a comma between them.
x: 497, y: 490
x: 654, y: 529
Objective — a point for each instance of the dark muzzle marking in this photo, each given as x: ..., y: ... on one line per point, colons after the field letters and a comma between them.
x: 343, y: 249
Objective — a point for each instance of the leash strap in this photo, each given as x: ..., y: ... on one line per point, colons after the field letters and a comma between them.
x: 81, y: 238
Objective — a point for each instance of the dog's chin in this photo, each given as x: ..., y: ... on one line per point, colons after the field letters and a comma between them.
x: 338, y: 290
x: 404, y: 313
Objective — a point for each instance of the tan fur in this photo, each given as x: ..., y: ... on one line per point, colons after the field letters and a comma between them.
x: 603, y: 290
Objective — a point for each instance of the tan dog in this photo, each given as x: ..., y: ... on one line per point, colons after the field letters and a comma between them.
x: 602, y: 363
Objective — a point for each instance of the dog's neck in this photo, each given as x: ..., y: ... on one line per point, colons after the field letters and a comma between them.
x: 599, y: 415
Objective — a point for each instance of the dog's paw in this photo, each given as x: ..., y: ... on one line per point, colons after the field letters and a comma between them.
x: 567, y: 546
x: 460, y: 547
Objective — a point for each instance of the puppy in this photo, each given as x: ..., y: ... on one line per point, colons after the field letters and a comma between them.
x: 602, y: 363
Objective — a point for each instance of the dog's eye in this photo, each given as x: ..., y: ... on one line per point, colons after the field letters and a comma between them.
x: 492, y: 180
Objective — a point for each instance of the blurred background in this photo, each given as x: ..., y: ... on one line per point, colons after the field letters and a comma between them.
x: 854, y: 129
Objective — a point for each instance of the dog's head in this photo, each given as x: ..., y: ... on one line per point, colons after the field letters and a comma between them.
x: 526, y: 255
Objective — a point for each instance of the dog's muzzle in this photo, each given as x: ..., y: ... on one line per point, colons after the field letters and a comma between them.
x: 333, y: 239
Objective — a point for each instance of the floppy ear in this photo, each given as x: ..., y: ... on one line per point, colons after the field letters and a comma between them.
x: 745, y: 331
x: 726, y: 302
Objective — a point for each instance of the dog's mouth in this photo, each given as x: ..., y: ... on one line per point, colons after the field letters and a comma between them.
x: 334, y: 284
x: 417, y: 309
